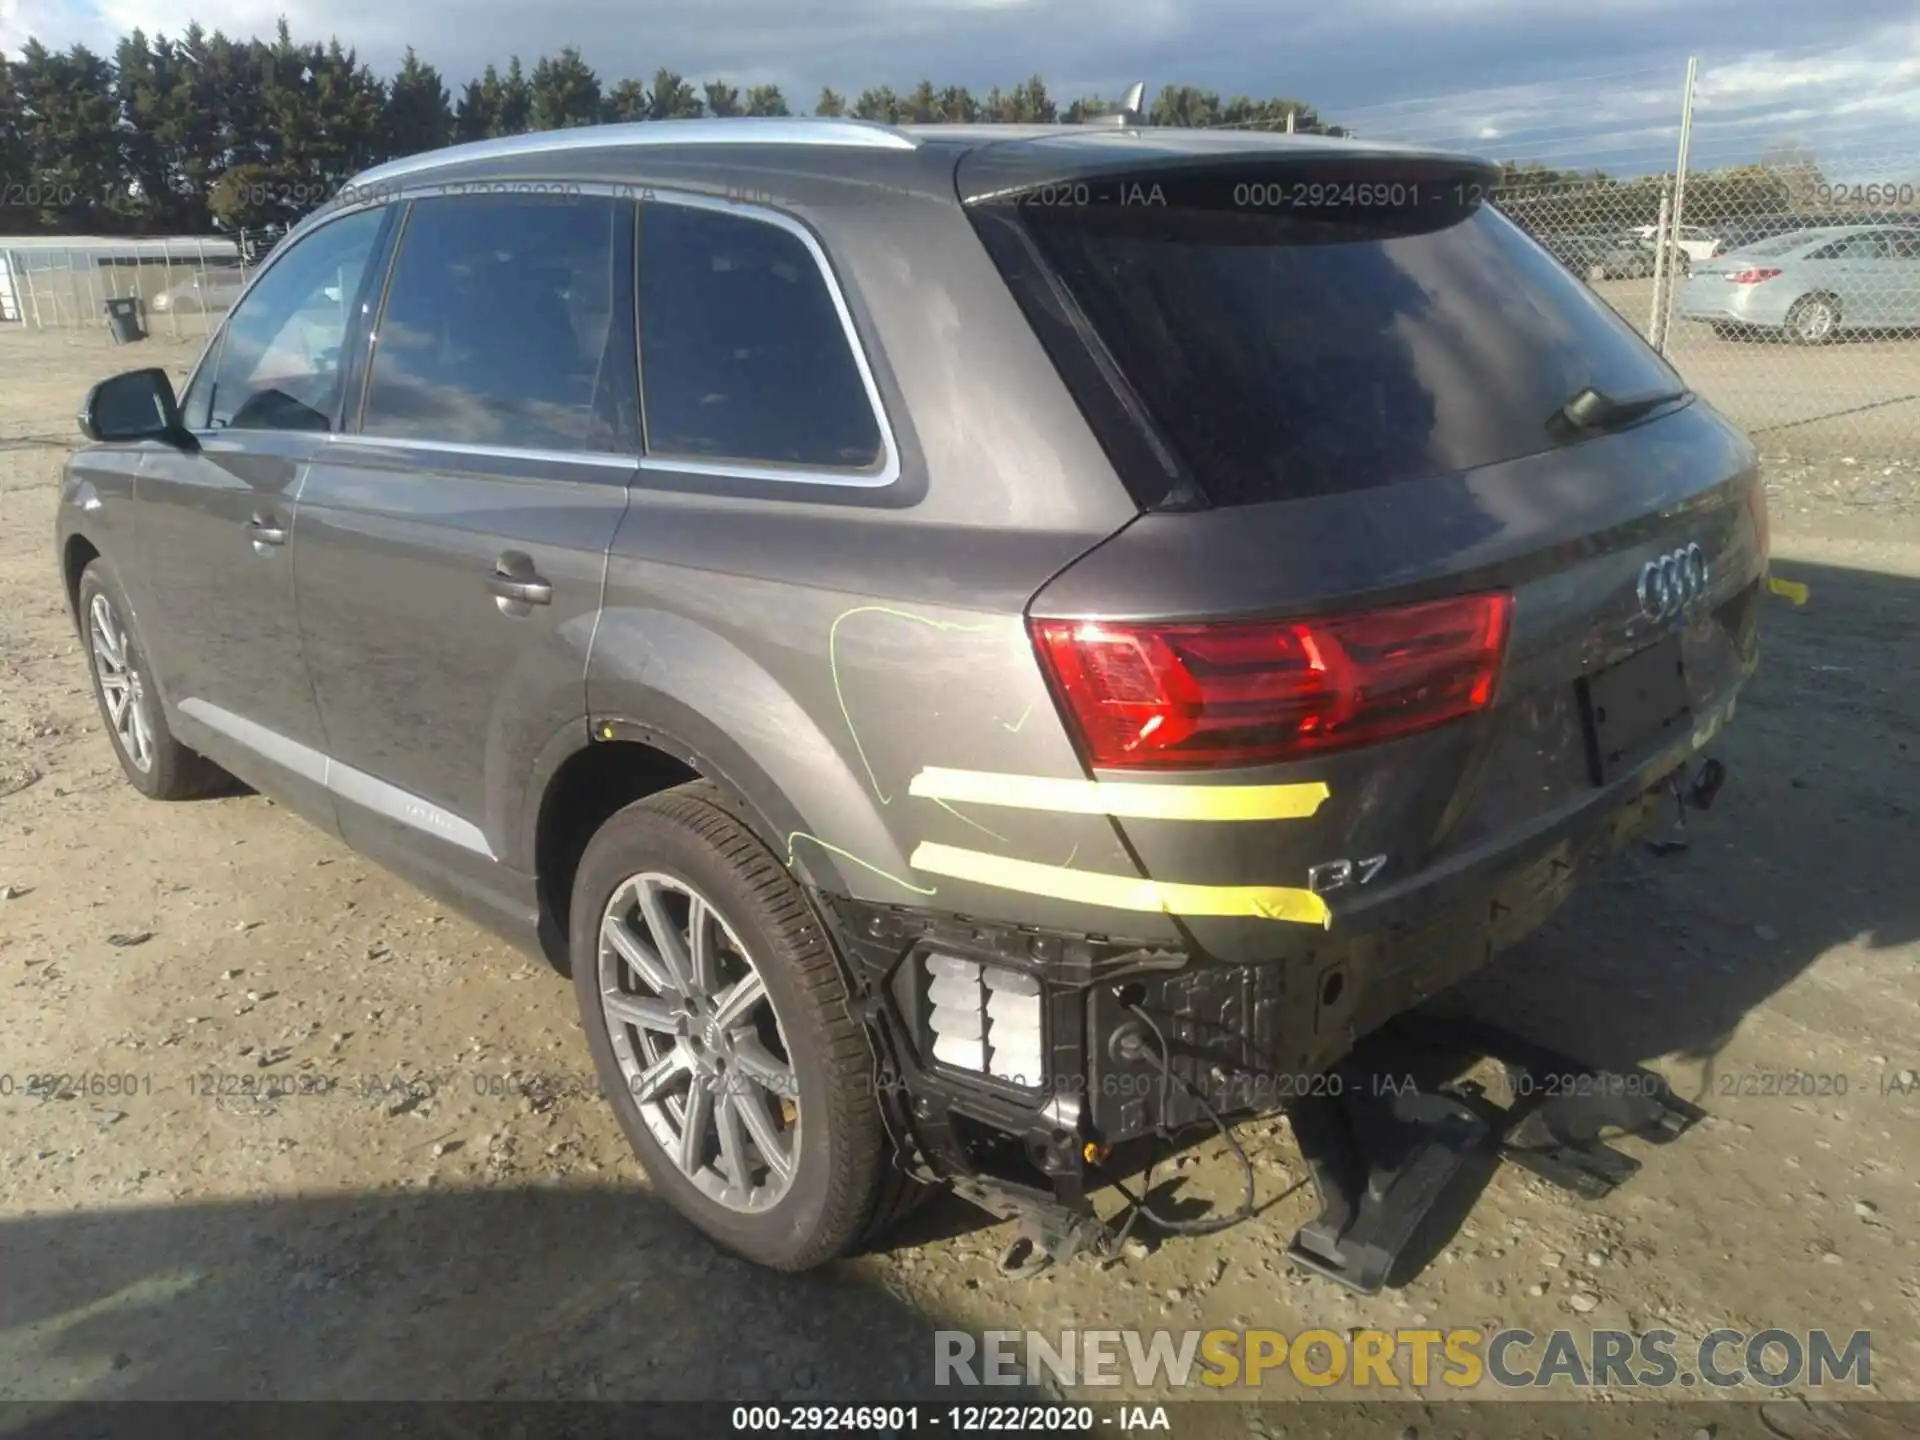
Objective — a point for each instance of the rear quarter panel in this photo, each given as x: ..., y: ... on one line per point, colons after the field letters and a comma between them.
x: 817, y: 646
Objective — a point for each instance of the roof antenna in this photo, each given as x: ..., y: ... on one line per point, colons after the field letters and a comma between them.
x: 1129, y: 112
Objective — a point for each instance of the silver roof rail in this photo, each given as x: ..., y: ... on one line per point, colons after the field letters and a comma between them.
x: 738, y: 130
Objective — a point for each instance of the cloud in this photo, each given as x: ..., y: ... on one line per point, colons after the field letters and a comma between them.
x: 1565, y: 85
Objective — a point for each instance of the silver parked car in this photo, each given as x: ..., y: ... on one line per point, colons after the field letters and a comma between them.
x: 1811, y: 284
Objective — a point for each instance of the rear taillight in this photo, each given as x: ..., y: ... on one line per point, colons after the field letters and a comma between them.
x: 1207, y: 696
x: 1751, y: 277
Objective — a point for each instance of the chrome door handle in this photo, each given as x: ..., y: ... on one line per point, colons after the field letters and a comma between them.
x: 262, y: 531
x: 527, y: 589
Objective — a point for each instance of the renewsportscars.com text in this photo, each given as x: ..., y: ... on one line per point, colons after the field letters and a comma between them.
x: 1391, y: 1359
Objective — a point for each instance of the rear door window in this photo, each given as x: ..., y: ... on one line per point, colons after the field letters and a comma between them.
x: 744, y: 355
x: 1290, y: 359
x: 509, y: 323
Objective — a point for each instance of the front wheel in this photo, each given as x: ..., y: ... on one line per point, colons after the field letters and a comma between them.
x: 156, y: 764
x: 720, y: 1029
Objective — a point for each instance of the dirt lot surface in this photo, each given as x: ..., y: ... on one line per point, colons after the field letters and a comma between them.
x: 452, y: 1213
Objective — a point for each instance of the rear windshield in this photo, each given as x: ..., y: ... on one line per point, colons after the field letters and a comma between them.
x: 1281, y: 363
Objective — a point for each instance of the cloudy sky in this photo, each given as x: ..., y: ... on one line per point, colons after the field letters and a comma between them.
x: 1563, y: 83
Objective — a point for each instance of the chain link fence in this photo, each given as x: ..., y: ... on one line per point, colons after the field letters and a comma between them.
x: 1757, y: 220
x: 181, y: 285
x: 1792, y: 303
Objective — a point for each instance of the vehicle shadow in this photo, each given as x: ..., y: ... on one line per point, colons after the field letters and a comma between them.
x: 1811, y: 845
x: 539, y: 1293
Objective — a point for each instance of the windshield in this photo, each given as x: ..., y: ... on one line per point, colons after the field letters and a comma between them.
x: 1297, y: 365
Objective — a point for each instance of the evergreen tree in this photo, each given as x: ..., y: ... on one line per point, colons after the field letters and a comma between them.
x: 879, y: 104
x: 74, y: 177
x: 566, y: 92
x: 514, y: 115
x: 831, y: 102
x: 419, y: 116
x: 628, y: 101
x: 1185, y: 105
x: 672, y: 98
x: 722, y: 99
x: 478, y: 112
x: 766, y: 100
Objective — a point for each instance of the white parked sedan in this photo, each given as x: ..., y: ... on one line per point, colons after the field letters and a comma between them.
x: 1692, y: 241
x: 1812, y: 284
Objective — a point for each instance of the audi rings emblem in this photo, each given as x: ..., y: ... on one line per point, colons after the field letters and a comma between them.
x: 1672, y: 582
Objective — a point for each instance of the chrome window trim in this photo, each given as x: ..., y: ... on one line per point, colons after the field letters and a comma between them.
x: 710, y: 467
x: 734, y: 130
x: 604, y: 458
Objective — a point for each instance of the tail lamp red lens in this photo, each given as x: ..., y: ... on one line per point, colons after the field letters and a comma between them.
x: 1214, y: 695
x: 1751, y: 277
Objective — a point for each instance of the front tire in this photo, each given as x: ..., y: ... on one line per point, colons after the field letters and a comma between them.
x: 719, y: 1023
x: 156, y: 764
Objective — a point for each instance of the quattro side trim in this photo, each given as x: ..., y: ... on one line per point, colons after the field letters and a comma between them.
x: 367, y: 791
x: 1172, y: 801
x: 1121, y: 892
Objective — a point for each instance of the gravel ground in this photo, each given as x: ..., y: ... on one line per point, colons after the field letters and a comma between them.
x: 434, y: 1204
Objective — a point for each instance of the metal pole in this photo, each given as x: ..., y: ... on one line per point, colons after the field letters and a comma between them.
x: 1668, y: 237
x: 1656, y: 327
x: 1289, y: 120
x: 166, y: 286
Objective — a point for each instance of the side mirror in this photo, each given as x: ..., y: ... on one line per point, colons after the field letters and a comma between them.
x: 138, y: 405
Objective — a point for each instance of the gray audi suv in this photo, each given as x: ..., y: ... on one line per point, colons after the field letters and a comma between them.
x: 980, y: 649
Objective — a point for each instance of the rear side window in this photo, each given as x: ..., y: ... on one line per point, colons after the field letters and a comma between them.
x: 743, y: 353
x: 1872, y: 246
x: 509, y: 322
x: 1283, y: 359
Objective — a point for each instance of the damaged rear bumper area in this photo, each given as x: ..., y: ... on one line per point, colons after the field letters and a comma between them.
x: 1030, y: 1068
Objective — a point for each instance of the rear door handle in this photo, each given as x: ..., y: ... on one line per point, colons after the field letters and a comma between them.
x: 528, y: 592
x: 262, y: 531
x: 514, y: 579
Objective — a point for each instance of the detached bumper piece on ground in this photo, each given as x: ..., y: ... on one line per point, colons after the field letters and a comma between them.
x: 1396, y: 1165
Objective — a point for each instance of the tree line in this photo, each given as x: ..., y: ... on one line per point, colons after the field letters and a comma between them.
x: 172, y: 136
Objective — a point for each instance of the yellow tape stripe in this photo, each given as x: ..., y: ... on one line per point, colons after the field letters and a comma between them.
x: 1120, y: 892
x: 1173, y: 801
x: 1788, y: 589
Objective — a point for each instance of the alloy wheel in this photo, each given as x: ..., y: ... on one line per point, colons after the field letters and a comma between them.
x: 1816, y: 320
x: 698, y: 1043
x: 120, y: 683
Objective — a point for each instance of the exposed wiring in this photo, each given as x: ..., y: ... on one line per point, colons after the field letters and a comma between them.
x: 1137, y: 1205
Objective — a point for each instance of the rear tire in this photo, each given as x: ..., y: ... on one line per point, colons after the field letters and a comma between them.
x: 156, y: 764
x: 673, y: 863
x: 1813, y: 320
